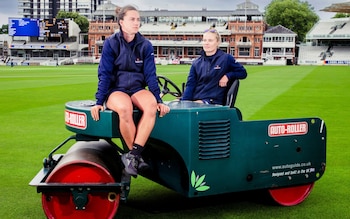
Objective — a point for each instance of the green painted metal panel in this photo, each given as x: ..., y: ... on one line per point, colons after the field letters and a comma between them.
x: 201, y: 150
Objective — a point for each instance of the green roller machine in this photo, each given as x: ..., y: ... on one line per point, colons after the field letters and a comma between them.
x: 196, y: 150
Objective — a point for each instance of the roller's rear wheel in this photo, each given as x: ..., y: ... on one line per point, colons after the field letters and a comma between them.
x: 290, y: 196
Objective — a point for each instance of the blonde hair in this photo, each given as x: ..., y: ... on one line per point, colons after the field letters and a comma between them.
x: 213, y: 30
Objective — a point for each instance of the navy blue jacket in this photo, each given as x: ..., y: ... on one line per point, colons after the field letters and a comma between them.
x: 205, y: 74
x: 126, y: 67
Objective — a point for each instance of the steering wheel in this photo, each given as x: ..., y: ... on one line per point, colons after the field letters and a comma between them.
x: 164, y: 89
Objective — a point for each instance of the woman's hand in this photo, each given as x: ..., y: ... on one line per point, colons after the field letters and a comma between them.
x: 95, y: 112
x: 163, y: 109
x: 223, y: 81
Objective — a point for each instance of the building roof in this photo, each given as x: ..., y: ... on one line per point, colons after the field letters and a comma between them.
x: 247, y: 4
x: 338, y: 7
x: 338, y: 28
x: 200, y: 13
x: 107, y: 8
x: 244, y: 9
x: 186, y: 13
x: 279, y: 29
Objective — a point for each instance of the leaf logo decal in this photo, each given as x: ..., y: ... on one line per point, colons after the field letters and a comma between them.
x: 198, y: 183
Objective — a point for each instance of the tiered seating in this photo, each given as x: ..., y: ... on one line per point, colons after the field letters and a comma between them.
x: 340, y: 55
x: 311, y: 54
x: 335, y: 35
x: 179, y: 28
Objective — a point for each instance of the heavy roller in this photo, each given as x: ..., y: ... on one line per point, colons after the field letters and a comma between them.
x: 196, y: 150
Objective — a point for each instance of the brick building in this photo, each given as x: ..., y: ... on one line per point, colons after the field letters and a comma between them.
x: 176, y: 35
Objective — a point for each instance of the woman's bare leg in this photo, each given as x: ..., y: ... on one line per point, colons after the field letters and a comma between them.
x: 121, y: 103
x: 146, y: 102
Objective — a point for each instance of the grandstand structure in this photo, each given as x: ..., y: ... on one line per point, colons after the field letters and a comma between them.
x: 176, y: 35
x: 43, y: 41
x: 328, y: 41
x: 4, y: 39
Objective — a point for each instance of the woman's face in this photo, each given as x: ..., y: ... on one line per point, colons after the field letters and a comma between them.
x: 131, y: 22
x: 210, y: 43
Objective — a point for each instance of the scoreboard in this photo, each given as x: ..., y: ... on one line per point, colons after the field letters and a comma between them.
x: 52, y: 28
x: 23, y: 27
x: 33, y: 27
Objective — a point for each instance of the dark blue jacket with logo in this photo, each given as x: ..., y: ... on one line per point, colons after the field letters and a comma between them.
x: 205, y: 74
x: 127, y: 67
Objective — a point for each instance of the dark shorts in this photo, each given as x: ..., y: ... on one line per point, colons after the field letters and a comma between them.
x: 208, y: 101
x: 128, y: 92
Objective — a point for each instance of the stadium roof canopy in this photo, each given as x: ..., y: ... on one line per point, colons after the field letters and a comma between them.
x: 199, y: 13
x: 246, y: 8
x: 338, y: 7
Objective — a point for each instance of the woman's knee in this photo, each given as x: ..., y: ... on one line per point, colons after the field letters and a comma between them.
x: 150, y: 109
x: 145, y: 101
x: 123, y: 109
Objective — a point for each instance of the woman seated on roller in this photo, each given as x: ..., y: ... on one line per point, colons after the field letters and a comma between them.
x: 127, y: 66
x: 211, y: 73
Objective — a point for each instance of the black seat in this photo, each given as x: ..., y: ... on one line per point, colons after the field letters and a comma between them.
x: 231, y: 93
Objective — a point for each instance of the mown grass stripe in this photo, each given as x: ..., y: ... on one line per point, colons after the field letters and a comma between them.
x: 263, y: 85
x: 32, y: 124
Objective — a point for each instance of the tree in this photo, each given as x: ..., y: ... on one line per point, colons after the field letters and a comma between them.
x: 341, y: 15
x: 82, y: 21
x: 4, y: 29
x: 296, y: 15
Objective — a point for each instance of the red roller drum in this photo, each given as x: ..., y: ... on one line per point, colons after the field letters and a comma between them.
x: 84, y: 163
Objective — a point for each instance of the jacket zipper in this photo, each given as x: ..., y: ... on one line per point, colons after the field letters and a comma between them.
x: 130, y: 60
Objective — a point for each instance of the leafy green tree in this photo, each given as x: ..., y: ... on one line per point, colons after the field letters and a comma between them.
x: 296, y: 15
x: 82, y: 21
x: 341, y: 15
x: 4, y: 29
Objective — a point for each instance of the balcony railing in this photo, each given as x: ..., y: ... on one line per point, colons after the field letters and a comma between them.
x: 244, y: 44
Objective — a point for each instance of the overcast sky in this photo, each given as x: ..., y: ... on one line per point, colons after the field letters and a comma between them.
x: 8, y: 8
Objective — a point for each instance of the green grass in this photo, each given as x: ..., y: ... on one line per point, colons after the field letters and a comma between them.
x: 32, y: 124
